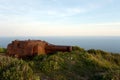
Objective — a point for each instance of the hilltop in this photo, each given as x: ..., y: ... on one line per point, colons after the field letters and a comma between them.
x: 79, y: 64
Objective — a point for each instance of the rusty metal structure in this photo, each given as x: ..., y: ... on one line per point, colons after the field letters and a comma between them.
x: 26, y: 48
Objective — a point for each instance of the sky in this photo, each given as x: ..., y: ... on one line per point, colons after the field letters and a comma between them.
x: 59, y: 18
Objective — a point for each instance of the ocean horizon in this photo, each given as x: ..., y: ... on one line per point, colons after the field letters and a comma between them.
x: 106, y: 43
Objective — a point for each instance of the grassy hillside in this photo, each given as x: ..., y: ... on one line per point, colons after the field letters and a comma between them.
x: 76, y: 65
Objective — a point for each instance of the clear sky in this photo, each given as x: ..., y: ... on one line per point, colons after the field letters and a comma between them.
x: 59, y: 18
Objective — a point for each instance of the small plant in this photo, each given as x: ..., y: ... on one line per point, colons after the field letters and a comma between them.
x: 2, y: 50
x: 76, y: 48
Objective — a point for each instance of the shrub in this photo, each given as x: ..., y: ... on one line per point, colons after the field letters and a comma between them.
x: 14, y: 69
x: 76, y: 48
x: 2, y: 50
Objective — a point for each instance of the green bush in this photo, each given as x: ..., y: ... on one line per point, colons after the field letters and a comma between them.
x: 110, y: 75
x: 14, y: 69
x: 76, y: 48
x: 75, y: 65
x: 2, y: 50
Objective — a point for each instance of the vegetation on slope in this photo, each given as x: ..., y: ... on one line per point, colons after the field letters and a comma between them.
x: 14, y: 69
x: 2, y: 50
x: 76, y: 65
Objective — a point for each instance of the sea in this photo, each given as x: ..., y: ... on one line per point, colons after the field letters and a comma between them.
x: 106, y: 43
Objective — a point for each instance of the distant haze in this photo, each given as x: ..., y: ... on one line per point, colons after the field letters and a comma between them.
x: 59, y: 18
